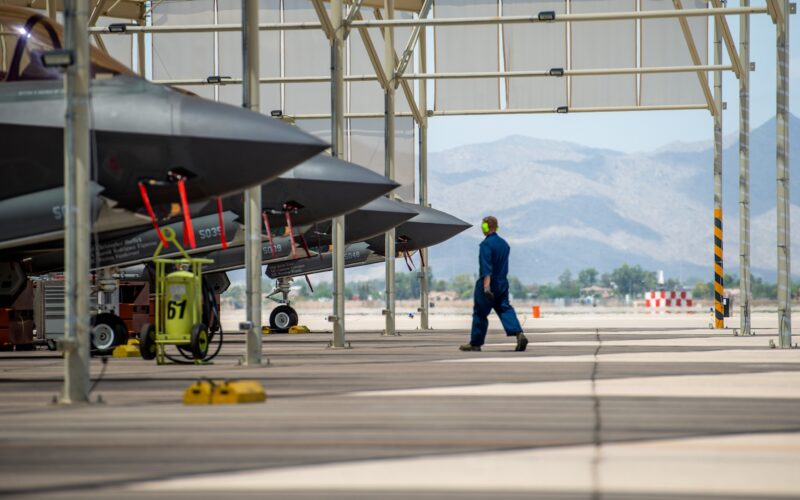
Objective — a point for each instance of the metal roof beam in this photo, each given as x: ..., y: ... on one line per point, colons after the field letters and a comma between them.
x: 455, y: 21
x: 458, y: 76
x: 701, y: 76
x: 733, y: 54
x: 775, y: 11
x: 533, y: 111
x: 412, y: 40
x: 372, y: 54
x: 407, y: 90
x: 351, y: 15
x: 324, y: 20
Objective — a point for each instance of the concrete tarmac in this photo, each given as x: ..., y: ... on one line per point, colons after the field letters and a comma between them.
x: 601, y: 406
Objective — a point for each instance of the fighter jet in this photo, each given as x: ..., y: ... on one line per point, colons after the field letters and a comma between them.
x: 429, y: 227
x: 302, y: 194
x: 376, y: 217
x: 303, y: 188
x: 142, y: 134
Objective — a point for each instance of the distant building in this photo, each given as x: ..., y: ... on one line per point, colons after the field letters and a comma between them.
x: 447, y: 296
x: 597, y: 291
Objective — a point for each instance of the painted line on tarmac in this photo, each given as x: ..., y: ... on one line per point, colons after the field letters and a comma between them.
x: 764, y: 385
x: 766, y: 356
x: 755, y: 465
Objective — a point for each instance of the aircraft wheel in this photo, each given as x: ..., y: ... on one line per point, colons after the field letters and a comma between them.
x: 147, y: 341
x: 281, y: 318
x: 199, y: 341
x: 106, y: 332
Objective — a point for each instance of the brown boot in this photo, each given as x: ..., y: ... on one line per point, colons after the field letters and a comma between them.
x: 470, y: 347
x: 522, y: 342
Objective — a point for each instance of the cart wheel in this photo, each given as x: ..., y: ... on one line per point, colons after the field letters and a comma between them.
x: 281, y: 318
x: 51, y: 345
x: 105, y: 332
x: 147, y: 341
x: 199, y: 341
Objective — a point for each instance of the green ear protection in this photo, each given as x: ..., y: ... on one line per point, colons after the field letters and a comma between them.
x: 485, y: 227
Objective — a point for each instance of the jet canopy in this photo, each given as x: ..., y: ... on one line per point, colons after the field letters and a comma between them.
x: 26, y: 35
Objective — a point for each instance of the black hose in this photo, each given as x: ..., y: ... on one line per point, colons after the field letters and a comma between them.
x: 211, y: 316
x: 104, y: 359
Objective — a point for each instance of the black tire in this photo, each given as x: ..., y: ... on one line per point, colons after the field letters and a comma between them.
x: 295, y: 318
x: 280, y: 319
x: 106, y: 333
x: 147, y: 342
x: 199, y: 341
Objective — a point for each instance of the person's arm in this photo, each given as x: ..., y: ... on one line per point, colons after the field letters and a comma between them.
x: 485, y: 259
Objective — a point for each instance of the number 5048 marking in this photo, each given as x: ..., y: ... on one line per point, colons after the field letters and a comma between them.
x: 176, y: 308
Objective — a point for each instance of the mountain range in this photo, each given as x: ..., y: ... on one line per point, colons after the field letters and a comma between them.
x: 562, y: 205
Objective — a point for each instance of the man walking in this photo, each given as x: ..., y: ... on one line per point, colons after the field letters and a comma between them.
x: 491, y: 290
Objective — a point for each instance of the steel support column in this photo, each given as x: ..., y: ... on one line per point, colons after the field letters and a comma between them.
x: 52, y: 10
x: 252, y: 197
x: 744, y: 173
x: 77, y: 200
x: 782, y: 176
x: 337, y: 140
x: 424, y: 309
x: 719, y: 269
x: 391, y: 253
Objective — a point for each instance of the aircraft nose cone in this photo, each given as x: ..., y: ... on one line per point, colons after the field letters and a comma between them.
x: 322, y: 188
x: 230, y: 149
x: 197, y: 117
x: 430, y: 227
x: 375, y: 218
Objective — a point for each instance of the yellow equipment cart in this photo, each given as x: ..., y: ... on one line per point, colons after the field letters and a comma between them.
x: 179, y: 306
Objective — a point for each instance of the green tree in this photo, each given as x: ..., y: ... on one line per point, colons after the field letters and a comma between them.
x: 701, y: 290
x: 463, y: 285
x: 565, y: 280
x: 633, y: 279
x: 587, y: 277
x: 516, y: 288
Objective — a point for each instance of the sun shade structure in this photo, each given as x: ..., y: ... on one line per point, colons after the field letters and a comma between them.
x: 488, y: 57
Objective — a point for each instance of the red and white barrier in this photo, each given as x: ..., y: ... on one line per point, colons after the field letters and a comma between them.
x: 668, y: 302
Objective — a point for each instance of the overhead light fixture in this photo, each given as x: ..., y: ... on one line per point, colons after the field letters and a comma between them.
x: 217, y: 79
x: 119, y: 27
x: 547, y: 15
x: 61, y: 58
x: 276, y: 113
x: 556, y: 72
x: 562, y: 110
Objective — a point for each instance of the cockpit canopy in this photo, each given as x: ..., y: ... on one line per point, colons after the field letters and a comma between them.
x: 25, y: 35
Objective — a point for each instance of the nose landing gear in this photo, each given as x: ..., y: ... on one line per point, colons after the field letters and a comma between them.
x: 284, y: 316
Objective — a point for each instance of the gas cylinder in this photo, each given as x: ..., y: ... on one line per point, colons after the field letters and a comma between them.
x: 180, y: 297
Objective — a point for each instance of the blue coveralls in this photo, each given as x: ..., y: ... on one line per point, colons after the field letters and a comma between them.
x: 493, y: 261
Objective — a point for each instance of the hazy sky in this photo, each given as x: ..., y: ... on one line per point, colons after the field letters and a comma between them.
x: 643, y: 131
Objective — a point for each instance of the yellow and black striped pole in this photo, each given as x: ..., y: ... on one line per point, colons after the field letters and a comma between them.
x: 719, y: 285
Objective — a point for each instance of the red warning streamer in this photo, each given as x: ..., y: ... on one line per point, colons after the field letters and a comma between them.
x: 149, y: 208
x: 409, y: 260
x: 269, y: 234
x: 305, y: 246
x: 187, y: 217
x: 221, y: 224
x: 291, y: 233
